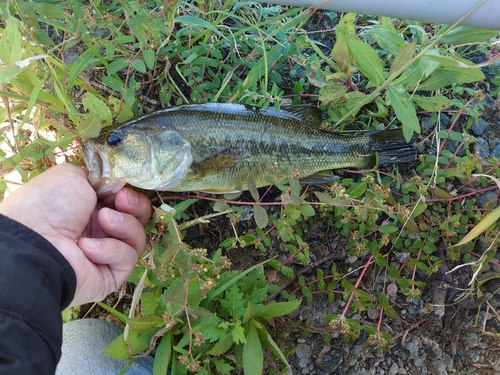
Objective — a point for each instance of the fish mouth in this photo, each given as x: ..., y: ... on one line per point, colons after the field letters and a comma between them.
x: 100, y: 171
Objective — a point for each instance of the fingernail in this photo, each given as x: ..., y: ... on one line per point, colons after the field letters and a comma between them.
x: 132, y: 198
x: 92, y: 243
x: 115, y: 217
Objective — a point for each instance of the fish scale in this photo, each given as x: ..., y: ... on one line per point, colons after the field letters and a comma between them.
x: 220, y: 148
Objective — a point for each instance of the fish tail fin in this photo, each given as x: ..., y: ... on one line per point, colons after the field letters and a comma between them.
x: 391, y: 147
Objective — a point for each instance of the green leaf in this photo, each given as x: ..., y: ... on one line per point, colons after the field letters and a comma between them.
x: 464, y: 35
x: 307, y: 210
x: 234, y: 302
x: 163, y: 355
x: 274, y: 310
x: 11, y: 44
x: 50, y: 10
x: 195, y: 21
x: 287, y: 271
x: 117, y: 65
x: 403, y: 57
x: 139, y: 65
x: 222, y: 346
x: 90, y: 127
x: 388, y: 39
x: 238, y: 333
x: 253, y: 357
x: 260, y: 215
x: 367, y: 61
x: 405, y: 112
x: 332, y: 92
x: 435, y: 103
x: 221, y: 366
x: 145, y: 322
x: 480, y: 227
x: 96, y: 106
x: 418, y: 209
x: 149, y: 58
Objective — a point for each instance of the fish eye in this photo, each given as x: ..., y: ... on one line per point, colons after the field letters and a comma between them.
x: 114, y: 139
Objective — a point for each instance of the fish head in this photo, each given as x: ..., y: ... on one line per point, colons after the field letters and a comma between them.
x: 148, y: 158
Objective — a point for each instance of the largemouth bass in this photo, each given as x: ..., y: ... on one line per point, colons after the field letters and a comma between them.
x: 221, y: 148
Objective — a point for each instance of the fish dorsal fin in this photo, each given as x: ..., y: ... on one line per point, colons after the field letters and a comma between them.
x: 306, y: 113
x: 216, y: 163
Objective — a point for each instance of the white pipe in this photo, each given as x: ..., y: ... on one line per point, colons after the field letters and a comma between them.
x: 487, y: 16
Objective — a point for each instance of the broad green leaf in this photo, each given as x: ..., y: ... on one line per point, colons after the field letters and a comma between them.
x: 274, y: 310
x: 49, y: 10
x: 11, y: 49
x: 149, y: 58
x: 90, y: 127
x: 418, y: 209
x: 260, y: 215
x: 387, y: 39
x: 367, y: 61
x: 222, y: 346
x: 78, y: 66
x: 145, y: 322
x: 95, y: 105
x: 163, y: 355
x: 464, y: 35
x: 287, y: 271
x: 340, y: 52
x: 139, y: 65
x: 9, y: 72
x: 480, y: 227
x: 403, y: 57
x: 253, y: 357
x: 117, y: 65
x: 113, y: 83
x: 332, y: 93
x: 435, y: 103
x: 195, y: 21
x: 405, y: 112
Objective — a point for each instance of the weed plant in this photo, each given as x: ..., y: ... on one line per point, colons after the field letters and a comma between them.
x: 69, y: 69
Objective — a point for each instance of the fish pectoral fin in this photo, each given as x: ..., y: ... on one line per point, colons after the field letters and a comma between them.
x: 319, y: 178
x: 216, y: 163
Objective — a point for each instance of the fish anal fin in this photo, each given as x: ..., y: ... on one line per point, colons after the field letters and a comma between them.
x: 216, y: 163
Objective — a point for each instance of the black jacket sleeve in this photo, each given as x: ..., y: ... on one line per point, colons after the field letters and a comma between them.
x: 36, y: 283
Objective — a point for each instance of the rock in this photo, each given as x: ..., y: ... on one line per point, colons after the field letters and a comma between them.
x: 482, y: 148
x: 330, y: 362
x: 452, y: 147
x: 490, y: 197
x: 394, y: 370
x: 479, y: 126
x: 496, y: 152
x: 303, y: 354
x: 445, y: 121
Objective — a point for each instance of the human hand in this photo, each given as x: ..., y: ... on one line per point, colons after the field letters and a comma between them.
x: 101, y: 240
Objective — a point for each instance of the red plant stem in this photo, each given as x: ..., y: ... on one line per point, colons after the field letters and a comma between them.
x: 357, y: 285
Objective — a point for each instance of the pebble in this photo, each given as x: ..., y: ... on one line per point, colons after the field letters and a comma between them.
x: 330, y: 362
x: 479, y: 126
x: 303, y: 354
x: 490, y: 197
x: 496, y: 152
x: 482, y: 147
x: 394, y: 370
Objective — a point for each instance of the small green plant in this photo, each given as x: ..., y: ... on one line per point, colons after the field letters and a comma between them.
x: 198, y: 309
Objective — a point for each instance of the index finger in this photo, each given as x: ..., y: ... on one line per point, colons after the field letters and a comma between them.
x: 134, y: 203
